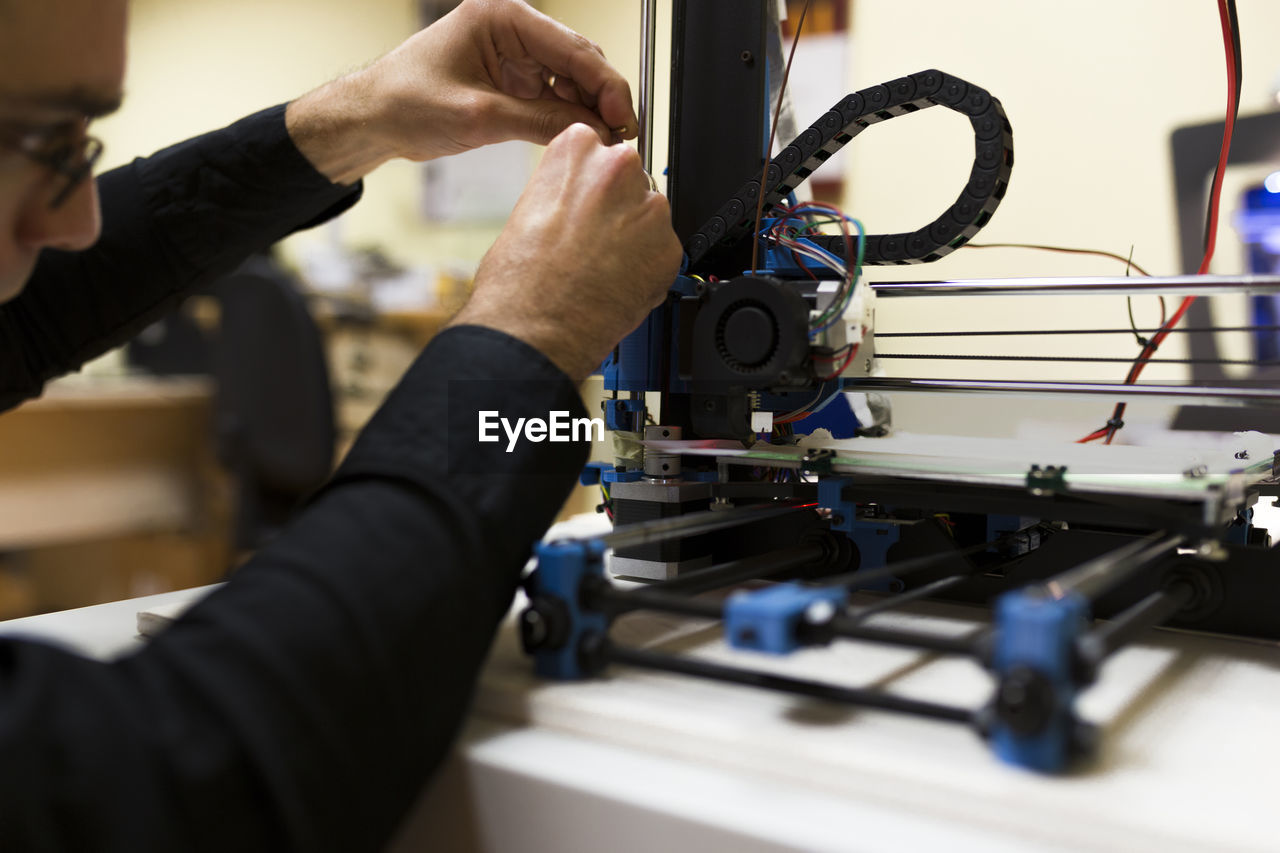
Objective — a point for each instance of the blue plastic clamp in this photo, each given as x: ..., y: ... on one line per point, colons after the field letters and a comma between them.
x: 592, y: 473
x: 1036, y: 634
x: 624, y: 415
x: 872, y: 538
x: 766, y: 620
x: 562, y: 566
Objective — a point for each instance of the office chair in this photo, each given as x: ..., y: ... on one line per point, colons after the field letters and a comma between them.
x: 273, y: 410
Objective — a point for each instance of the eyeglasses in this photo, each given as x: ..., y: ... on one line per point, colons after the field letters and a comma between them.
x: 64, y: 149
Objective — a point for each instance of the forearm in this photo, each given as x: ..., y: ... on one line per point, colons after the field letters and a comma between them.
x: 304, y: 704
x: 337, y: 128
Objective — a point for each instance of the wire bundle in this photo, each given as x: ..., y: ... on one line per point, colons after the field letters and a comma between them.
x: 788, y: 231
x: 1231, y: 40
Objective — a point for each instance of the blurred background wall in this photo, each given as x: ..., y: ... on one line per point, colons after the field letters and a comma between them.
x: 1093, y: 89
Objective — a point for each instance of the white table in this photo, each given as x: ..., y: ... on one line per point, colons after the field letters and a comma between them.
x: 641, y: 761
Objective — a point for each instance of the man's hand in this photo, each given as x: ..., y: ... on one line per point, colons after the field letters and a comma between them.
x: 587, y: 253
x: 489, y: 71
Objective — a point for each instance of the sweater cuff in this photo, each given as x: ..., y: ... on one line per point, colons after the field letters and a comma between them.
x: 478, y: 411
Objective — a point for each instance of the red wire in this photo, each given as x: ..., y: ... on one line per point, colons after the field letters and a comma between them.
x: 1211, y: 237
x: 773, y: 130
x: 853, y: 351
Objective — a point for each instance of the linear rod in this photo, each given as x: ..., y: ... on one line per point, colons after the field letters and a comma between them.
x: 847, y: 695
x: 605, y: 596
x: 1156, y: 609
x: 885, y: 604
x: 1069, y: 359
x: 851, y: 628
x: 648, y: 54
x: 706, y: 521
x: 738, y: 571
x: 1024, y: 332
x: 864, y: 578
x: 1175, y: 393
x: 1181, y: 285
x: 1094, y: 577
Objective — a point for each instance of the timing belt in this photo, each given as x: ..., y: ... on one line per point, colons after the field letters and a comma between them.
x: 988, y: 180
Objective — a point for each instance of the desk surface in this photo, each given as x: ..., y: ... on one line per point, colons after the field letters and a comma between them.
x: 144, y: 442
x: 641, y: 761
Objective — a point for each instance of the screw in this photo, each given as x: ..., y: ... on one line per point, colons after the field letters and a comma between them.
x: 1212, y: 550
x: 1025, y: 701
x: 746, y: 57
x: 533, y: 629
x: 820, y: 612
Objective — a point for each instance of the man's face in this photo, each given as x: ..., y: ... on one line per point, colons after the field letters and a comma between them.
x: 61, y: 64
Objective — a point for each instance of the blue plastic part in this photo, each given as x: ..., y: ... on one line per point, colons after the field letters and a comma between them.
x: 831, y: 496
x: 613, y: 475
x: 1259, y: 226
x: 1038, y: 631
x: 562, y: 566
x: 765, y: 620
x: 837, y: 417
x: 1238, y: 530
x: 998, y: 525
x: 636, y: 364
x: 873, y: 538
x: 624, y: 415
x: 592, y: 473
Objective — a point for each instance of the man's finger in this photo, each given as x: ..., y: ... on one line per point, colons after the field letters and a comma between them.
x: 540, y: 120
x: 564, y: 89
x: 569, y: 54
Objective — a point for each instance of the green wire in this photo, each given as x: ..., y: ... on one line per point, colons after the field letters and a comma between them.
x: 838, y: 306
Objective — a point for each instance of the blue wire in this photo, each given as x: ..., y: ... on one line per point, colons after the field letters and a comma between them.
x: 857, y: 274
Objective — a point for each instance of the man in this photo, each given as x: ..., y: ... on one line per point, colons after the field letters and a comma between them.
x: 304, y: 704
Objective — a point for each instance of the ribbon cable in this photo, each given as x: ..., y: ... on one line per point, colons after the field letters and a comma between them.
x: 988, y: 180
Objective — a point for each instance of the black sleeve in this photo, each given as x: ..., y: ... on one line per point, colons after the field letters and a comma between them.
x: 171, y: 222
x: 303, y: 705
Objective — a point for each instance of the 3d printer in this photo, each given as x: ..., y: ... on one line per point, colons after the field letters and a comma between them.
x: 769, y: 334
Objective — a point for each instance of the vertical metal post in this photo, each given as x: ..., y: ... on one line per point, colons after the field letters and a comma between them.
x: 718, y: 98
x: 648, y: 50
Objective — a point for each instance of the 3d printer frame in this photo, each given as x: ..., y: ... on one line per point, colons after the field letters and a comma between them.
x: 1047, y: 547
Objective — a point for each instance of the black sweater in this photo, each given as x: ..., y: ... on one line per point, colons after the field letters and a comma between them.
x: 302, y: 705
